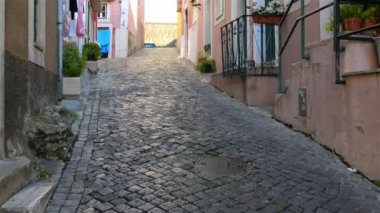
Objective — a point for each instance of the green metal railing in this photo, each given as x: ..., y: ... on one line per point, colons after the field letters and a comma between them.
x: 354, y: 35
x: 235, y: 48
x: 299, y: 19
x: 337, y: 37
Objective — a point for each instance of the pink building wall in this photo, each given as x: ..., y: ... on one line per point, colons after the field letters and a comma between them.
x: 217, y: 40
x: 131, y: 20
x: 136, y: 22
x: 345, y: 118
x: 292, y: 53
x: 140, y: 23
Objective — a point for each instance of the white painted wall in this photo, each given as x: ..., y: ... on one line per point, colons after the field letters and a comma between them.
x: 185, y: 37
x: 237, y: 9
x: 124, y: 14
x: 324, y: 18
x: 207, y: 17
x: 121, y: 39
x: 121, y: 34
x: 192, y: 54
x: 2, y: 38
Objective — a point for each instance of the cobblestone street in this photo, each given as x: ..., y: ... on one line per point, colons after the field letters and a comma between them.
x: 149, y: 127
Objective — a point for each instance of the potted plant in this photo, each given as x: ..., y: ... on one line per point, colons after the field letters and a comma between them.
x: 351, y: 16
x: 73, y: 65
x: 91, y: 52
x: 269, y: 14
x: 207, y: 49
x: 369, y: 16
x: 206, y: 66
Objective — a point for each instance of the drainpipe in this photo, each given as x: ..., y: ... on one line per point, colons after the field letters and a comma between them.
x: 279, y: 77
x: 303, y: 53
x: 59, y: 50
x: 2, y: 87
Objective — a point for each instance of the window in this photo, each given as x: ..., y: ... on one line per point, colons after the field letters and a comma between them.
x: 39, y: 24
x: 103, y: 13
x: 220, y: 5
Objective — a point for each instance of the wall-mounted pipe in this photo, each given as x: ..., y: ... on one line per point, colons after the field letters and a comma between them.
x: 59, y: 49
x: 2, y: 75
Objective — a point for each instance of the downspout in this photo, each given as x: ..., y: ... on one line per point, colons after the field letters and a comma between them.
x: 303, y: 52
x: 60, y: 50
x: 2, y: 76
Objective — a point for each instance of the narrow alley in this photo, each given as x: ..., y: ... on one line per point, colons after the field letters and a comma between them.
x: 155, y: 138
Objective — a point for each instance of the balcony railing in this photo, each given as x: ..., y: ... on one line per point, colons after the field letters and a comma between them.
x: 249, y: 48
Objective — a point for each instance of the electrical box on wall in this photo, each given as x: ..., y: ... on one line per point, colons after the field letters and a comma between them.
x: 302, y: 102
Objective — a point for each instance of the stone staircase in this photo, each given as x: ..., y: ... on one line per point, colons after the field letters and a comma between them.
x: 18, y: 193
x: 15, y: 174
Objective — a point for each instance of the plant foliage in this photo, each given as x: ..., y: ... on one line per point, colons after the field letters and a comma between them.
x: 351, y: 11
x: 91, y: 52
x: 206, y: 65
x: 73, y: 63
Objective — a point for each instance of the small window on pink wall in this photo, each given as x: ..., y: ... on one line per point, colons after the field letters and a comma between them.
x: 220, y: 8
x: 103, y: 13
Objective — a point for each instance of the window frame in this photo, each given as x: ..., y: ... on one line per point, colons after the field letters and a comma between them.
x: 105, y: 11
x: 220, y: 8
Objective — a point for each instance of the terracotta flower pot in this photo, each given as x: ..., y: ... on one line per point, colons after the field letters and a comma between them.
x: 352, y: 24
x: 369, y: 22
x: 266, y: 19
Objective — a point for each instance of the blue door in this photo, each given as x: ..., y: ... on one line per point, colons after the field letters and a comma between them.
x: 104, y: 38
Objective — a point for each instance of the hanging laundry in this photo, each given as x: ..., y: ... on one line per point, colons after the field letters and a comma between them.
x: 81, y: 31
x: 73, y: 8
x: 73, y: 28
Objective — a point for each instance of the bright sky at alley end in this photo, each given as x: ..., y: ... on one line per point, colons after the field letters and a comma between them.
x: 162, y: 11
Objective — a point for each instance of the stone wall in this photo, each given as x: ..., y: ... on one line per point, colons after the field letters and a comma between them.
x: 162, y: 34
x: 28, y: 87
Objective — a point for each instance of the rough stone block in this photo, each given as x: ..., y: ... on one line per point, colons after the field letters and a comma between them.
x: 32, y: 199
x: 14, y: 175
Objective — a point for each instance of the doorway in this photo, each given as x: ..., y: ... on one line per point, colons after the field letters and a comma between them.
x: 185, y: 42
x: 207, y: 27
x: 104, y: 39
x: 264, y: 40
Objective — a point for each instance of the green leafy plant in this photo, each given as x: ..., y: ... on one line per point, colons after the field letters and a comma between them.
x: 370, y: 12
x: 351, y: 11
x: 73, y: 63
x: 206, y: 65
x: 207, y: 48
x: 91, y: 51
x: 329, y: 27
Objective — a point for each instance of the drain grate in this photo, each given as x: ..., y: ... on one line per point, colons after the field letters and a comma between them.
x: 222, y: 166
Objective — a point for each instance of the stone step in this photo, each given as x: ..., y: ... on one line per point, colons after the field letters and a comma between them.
x: 32, y: 199
x: 14, y: 175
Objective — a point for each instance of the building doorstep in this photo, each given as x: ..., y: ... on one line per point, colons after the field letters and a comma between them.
x: 14, y: 175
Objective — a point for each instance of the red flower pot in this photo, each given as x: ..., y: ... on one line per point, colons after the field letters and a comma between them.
x: 352, y: 24
x: 266, y: 19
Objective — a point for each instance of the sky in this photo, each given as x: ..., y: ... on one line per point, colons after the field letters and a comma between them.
x: 162, y: 11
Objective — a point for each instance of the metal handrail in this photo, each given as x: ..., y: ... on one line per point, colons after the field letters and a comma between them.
x: 302, y: 18
x: 298, y: 20
x: 287, y: 12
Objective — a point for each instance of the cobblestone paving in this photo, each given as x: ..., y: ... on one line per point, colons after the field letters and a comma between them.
x: 149, y: 121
